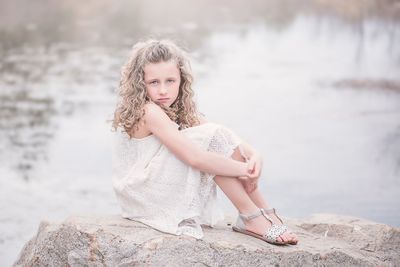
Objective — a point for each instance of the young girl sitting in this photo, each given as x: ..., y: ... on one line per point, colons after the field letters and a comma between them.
x: 168, y: 159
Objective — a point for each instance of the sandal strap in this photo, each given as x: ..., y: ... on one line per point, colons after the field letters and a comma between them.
x: 267, y: 217
x: 274, y: 232
x: 250, y: 216
x: 255, y: 215
x: 245, y: 217
x: 272, y: 211
x: 269, y: 211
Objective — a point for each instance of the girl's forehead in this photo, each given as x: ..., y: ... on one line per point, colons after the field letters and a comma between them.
x: 161, y: 68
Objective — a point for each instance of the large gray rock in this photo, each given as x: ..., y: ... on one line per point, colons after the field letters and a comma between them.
x: 325, y: 240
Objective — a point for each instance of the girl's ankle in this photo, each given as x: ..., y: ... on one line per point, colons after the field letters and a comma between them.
x: 249, y: 211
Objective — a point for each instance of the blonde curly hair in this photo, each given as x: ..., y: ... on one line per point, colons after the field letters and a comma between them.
x: 132, y: 90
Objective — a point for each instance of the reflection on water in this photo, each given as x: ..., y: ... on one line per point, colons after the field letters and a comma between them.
x: 26, y: 129
x: 40, y: 87
x: 316, y: 82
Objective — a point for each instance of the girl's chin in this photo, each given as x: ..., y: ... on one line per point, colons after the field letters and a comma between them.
x: 163, y: 104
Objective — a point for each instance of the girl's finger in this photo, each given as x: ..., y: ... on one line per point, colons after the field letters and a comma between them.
x: 251, y: 164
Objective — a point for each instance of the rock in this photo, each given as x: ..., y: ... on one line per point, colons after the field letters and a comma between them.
x: 325, y: 240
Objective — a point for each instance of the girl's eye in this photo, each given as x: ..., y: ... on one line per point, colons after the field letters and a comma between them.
x: 170, y: 81
x: 153, y: 82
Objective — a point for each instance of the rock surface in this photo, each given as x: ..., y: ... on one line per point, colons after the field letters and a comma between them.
x: 325, y: 240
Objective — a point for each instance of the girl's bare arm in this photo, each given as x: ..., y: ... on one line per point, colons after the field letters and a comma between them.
x: 159, y: 124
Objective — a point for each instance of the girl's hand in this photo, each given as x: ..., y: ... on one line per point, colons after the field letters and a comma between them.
x: 254, y: 166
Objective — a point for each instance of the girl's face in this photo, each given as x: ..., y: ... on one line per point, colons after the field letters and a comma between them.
x: 162, y: 81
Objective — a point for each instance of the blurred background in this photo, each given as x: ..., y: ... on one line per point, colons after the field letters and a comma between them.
x: 314, y: 85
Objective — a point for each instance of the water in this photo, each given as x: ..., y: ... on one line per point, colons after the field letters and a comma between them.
x: 316, y: 92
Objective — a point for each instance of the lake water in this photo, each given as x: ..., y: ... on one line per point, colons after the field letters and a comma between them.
x: 316, y: 92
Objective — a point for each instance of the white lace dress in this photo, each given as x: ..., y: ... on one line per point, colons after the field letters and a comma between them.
x: 156, y: 188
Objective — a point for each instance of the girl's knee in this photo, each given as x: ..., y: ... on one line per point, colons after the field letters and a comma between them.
x: 237, y: 155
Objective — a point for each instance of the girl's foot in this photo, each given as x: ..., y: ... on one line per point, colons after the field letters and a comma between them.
x: 275, y: 218
x: 260, y: 225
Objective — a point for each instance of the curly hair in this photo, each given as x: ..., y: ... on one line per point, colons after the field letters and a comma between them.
x: 132, y: 89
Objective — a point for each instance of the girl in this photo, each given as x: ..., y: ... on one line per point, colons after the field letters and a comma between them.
x: 168, y: 159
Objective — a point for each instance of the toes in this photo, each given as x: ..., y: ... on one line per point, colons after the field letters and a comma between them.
x: 284, y: 238
x: 287, y: 237
x: 293, y: 238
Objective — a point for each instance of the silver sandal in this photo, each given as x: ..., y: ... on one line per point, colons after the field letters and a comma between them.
x: 272, y: 233
x: 273, y: 211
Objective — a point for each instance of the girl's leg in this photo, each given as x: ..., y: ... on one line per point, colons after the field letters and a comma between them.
x: 258, y: 199
x: 234, y: 190
x: 260, y: 202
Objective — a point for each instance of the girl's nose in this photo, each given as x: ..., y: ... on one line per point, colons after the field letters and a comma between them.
x: 163, y: 89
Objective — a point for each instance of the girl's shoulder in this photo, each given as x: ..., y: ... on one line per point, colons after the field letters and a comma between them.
x: 152, y: 110
x: 140, y: 130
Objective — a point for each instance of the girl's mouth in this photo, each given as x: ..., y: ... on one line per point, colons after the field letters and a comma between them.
x: 163, y: 99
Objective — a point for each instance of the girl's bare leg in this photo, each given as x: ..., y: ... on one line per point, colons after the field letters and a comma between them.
x: 247, y: 203
x: 260, y: 202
